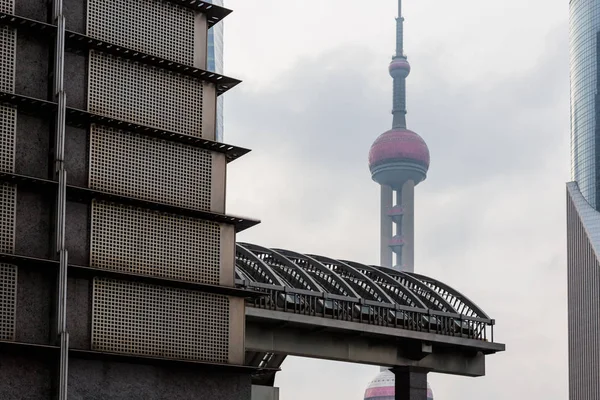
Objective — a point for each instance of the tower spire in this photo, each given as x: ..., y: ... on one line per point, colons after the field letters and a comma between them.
x: 400, y: 31
x: 399, y: 69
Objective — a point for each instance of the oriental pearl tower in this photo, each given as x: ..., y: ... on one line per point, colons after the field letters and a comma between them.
x: 398, y: 160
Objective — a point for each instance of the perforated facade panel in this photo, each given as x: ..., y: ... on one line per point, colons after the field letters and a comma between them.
x: 144, y: 95
x: 8, y: 121
x: 8, y: 115
x: 8, y: 273
x: 136, y: 318
x: 7, y: 6
x: 154, y: 27
x: 8, y: 301
x: 7, y: 217
x: 154, y: 170
x: 151, y: 243
x: 8, y: 42
x: 8, y: 127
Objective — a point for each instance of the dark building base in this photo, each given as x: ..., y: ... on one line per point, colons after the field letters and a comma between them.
x: 93, y: 379
x: 27, y: 377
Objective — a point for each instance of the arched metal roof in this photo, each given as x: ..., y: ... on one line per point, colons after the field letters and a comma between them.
x: 346, y: 278
x: 458, y: 301
x: 347, y: 290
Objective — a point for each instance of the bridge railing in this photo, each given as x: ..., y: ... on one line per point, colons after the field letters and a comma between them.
x: 352, y: 309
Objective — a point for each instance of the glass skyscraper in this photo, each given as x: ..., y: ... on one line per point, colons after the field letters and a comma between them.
x: 583, y: 203
x: 215, y: 64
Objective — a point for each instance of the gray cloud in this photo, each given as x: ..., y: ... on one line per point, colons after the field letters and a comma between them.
x: 490, y: 217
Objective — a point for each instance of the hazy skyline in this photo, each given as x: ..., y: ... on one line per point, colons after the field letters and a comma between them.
x: 488, y: 92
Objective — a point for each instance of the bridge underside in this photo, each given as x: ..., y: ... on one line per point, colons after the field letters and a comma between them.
x: 283, y: 334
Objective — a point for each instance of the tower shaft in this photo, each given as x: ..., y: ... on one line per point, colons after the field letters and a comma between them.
x: 398, y: 211
x: 399, y: 96
x: 407, y: 199
x: 399, y: 104
x: 387, y: 198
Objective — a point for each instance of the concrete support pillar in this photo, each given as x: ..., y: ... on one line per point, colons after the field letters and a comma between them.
x: 386, y: 226
x: 408, y: 226
x: 397, y: 194
x: 265, y: 392
x: 411, y: 383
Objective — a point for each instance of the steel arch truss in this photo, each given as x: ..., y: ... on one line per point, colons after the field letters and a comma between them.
x: 347, y: 279
x: 400, y: 293
x: 289, y: 271
x: 364, y: 286
x: 430, y: 297
x: 458, y: 301
x: 329, y: 280
x: 251, y: 267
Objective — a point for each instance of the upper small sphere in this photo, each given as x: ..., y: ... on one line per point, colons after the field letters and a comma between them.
x: 399, y: 68
x: 397, y: 156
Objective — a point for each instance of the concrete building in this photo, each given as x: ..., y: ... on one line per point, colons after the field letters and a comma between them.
x: 117, y: 258
x: 214, y: 63
x: 398, y: 160
x: 583, y: 202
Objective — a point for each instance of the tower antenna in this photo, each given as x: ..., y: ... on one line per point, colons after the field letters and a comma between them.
x: 399, y: 69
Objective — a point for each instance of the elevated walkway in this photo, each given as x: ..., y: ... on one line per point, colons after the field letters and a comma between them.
x: 318, y: 307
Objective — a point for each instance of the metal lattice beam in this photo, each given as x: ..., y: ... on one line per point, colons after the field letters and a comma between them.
x: 351, y: 280
x: 324, y: 274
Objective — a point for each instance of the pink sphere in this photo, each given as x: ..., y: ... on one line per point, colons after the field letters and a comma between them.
x: 399, y: 145
x: 383, y: 387
x: 399, y: 68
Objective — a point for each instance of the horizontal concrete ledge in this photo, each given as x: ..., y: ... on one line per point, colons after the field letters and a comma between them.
x: 373, y: 331
x: 52, y: 352
x: 30, y: 349
x: 162, y: 361
x: 79, y: 271
x: 340, y: 346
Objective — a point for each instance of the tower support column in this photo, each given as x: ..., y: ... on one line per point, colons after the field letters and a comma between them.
x: 387, y: 197
x: 265, y: 392
x: 411, y: 383
x: 408, y: 226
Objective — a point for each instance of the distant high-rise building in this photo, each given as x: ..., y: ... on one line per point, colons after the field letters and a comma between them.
x: 215, y: 63
x: 583, y: 203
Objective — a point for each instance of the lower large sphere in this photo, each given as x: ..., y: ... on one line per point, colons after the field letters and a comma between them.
x: 397, y: 156
x: 383, y: 387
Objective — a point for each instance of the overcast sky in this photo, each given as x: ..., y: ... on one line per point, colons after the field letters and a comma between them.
x: 489, y: 93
